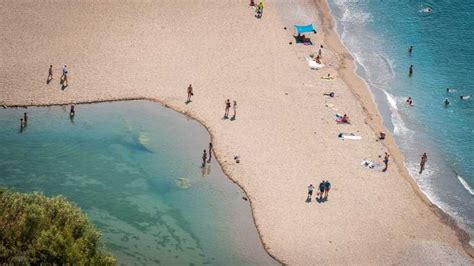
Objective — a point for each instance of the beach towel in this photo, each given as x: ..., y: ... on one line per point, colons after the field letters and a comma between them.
x: 350, y: 136
x: 370, y: 164
x: 327, y: 78
x: 313, y: 64
x: 332, y: 106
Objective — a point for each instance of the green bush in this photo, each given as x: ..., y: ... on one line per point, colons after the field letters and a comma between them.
x: 38, y: 229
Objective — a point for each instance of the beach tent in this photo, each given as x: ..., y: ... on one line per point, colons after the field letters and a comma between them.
x: 304, y: 29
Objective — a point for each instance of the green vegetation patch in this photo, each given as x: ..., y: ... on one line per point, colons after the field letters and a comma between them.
x: 38, y: 229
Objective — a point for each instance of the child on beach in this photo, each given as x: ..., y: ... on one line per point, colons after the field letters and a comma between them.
x: 190, y: 93
x: 385, y: 161
x: 227, y: 108
x: 310, y: 192
x: 320, y: 52
x: 424, y: 159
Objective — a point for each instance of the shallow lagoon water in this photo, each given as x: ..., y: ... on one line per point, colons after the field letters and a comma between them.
x: 134, y: 168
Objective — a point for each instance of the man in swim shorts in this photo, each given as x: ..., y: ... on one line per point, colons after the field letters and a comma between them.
x: 385, y: 161
x: 322, y: 187
x: 424, y: 159
x: 327, y: 187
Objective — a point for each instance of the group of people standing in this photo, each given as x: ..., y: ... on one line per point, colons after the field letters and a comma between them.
x: 323, y: 192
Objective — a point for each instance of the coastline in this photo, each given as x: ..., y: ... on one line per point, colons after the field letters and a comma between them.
x: 264, y: 226
x: 362, y: 92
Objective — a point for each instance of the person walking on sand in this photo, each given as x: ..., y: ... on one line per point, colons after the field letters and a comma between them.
x: 210, y: 152
x: 410, y: 49
x: 310, y: 192
x: 50, y: 73
x: 190, y: 93
x: 64, y: 76
x: 424, y: 159
x: 322, y: 187
x: 320, y: 52
x: 327, y: 187
x: 410, y: 71
x: 227, y: 108
x: 385, y: 161
x: 234, y: 107
x: 204, y: 157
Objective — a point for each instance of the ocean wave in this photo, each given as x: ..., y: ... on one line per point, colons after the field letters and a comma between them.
x: 466, y: 185
x: 399, y: 127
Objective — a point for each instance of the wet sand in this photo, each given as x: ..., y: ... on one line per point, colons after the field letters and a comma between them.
x: 285, y: 134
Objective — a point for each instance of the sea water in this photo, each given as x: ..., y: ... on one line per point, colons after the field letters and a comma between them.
x: 378, y: 34
x: 135, y: 169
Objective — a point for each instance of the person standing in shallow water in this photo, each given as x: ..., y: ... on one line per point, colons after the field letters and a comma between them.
x: 424, y: 159
x: 385, y: 161
x: 190, y: 93
x: 204, y: 157
x: 410, y: 50
x: 410, y: 71
x: 210, y: 152
x: 72, y: 112
x: 25, y: 118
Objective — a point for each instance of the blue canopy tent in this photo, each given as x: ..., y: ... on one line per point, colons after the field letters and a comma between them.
x: 304, y: 29
x: 300, y: 37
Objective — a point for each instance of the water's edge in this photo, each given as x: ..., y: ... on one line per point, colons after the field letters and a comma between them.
x: 353, y: 68
x: 188, y: 115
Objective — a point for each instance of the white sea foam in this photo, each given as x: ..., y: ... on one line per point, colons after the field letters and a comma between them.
x: 466, y: 185
x: 399, y: 127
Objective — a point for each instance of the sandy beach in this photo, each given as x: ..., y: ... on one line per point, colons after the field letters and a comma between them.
x: 285, y: 132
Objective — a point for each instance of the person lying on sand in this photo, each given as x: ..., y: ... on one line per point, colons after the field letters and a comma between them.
x: 331, y: 94
x: 345, y: 119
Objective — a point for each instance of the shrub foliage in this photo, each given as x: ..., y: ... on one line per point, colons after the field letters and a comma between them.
x: 36, y: 229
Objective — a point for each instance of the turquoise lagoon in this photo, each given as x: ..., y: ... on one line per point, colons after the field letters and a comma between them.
x: 134, y: 168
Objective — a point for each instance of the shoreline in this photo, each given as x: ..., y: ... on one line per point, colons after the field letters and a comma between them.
x: 359, y: 86
x: 189, y: 116
x: 286, y: 186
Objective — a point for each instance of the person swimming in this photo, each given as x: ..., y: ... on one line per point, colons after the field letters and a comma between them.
x: 448, y: 90
x: 465, y: 97
x: 410, y: 101
x: 446, y: 102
